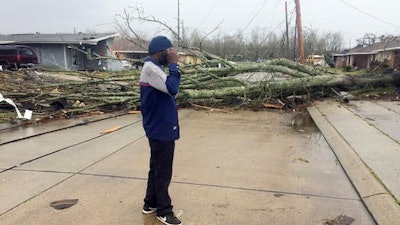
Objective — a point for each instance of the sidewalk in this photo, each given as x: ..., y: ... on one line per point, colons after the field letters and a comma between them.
x: 229, y: 168
x: 366, y: 139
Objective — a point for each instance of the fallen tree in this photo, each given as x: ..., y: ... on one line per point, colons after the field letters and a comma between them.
x: 57, y: 95
x: 302, y: 85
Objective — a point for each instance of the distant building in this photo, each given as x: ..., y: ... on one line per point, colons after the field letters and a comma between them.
x: 190, y: 57
x: 387, y: 53
x: 74, y: 52
x: 131, y: 52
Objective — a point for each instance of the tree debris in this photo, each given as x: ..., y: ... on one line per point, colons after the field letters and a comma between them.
x: 111, y: 130
x: 208, y: 108
x: 273, y: 84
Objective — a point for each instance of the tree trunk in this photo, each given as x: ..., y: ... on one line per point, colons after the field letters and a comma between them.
x: 297, y: 85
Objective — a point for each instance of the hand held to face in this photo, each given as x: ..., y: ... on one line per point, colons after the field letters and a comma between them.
x: 172, y: 56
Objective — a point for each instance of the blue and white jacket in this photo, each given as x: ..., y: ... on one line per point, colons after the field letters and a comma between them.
x: 157, y: 100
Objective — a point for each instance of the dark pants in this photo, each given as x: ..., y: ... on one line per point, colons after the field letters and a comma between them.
x: 162, y: 155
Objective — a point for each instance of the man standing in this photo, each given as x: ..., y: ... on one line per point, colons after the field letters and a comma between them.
x: 160, y: 122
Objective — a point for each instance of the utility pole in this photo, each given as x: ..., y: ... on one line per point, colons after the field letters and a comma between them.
x: 179, y: 23
x: 287, y: 32
x: 300, y: 32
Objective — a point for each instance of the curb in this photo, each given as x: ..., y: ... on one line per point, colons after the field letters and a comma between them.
x: 375, y: 197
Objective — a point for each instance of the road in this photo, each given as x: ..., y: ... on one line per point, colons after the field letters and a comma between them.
x: 241, y: 167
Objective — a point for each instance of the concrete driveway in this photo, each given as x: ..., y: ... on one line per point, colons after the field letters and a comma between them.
x: 241, y: 167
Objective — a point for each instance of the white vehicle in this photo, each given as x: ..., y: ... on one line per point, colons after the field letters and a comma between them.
x: 316, y: 60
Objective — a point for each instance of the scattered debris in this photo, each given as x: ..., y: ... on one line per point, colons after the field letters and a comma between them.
x: 278, y: 195
x: 280, y: 84
x: 134, y: 112
x: 64, y: 204
x: 208, y: 108
x: 340, y: 220
x: 27, y: 114
x: 273, y: 106
x: 79, y: 104
x: 344, y: 96
x: 111, y: 130
x: 302, y: 160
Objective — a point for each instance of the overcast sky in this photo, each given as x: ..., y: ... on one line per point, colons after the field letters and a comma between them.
x: 353, y: 18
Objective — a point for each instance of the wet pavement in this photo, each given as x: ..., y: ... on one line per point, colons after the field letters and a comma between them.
x: 365, y: 137
x: 229, y: 168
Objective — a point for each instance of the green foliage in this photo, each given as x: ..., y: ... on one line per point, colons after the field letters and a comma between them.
x: 347, y: 68
x: 7, y: 116
x: 374, y: 92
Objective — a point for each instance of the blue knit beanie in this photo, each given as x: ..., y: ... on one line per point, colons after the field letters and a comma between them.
x: 159, y: 44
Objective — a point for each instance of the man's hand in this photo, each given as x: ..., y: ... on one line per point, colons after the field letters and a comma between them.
x: 172, y: 56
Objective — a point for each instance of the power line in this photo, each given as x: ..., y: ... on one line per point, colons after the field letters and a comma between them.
x: 274, y: 30
x: 206, y: 17
x: 255, y: 15
x: 367, y: 14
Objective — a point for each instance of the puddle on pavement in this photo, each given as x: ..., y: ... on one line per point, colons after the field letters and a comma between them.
x: 303, y: 123
x: 23, y: 131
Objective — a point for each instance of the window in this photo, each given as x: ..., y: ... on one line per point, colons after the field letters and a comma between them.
x: 27, y: 52
x: 8, y: 52
x: 384, y: 55
x: 74, y: 55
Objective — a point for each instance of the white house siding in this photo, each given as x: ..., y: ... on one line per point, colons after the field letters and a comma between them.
x: 70, y: 51
x: 50, y: 55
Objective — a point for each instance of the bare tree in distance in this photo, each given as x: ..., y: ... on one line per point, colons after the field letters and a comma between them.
x: 264, y: 46
x: 124, y: 23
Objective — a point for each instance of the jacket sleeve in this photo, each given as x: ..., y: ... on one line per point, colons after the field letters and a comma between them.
x: 174, y: 79
x: 158, y: 79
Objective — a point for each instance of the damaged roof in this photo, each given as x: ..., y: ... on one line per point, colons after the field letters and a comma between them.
x: 38, y: 38
x: 125, y: 45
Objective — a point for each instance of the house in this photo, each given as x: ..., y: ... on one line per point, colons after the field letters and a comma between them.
x: 130, y: 51
x: 190, y: 57
x: 365, y: 57
x: 73, y: 52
